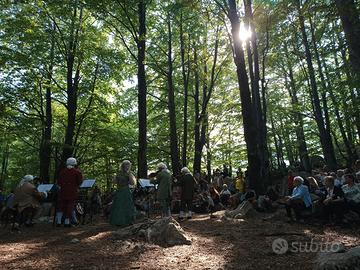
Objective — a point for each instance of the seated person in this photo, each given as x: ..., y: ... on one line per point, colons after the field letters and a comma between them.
x: 201, y: 203
x: 267, y: 202
x: 333, y: 204
x: 203, y: 184
x: 47, y: 208
x: 225, y: 195
x: 300, y: 199
x: 27, y: 197
x: 10, y: 200
x: 108, y: 200
x: 215, y: 197
x: 339, y: 180
x: 316, y: 192
x: 95, y: 200
x: 352, y: 193
x: 235, y: 200
x: 244, y: 207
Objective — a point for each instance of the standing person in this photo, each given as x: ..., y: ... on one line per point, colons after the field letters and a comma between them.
x: 357, y: 166
x: 69, y: 181
x: 218, y: 182
x: 240, y: 182
x: 163, y: 179
x: 290, y: 182
x: 123, y: 209
x: 225, y: 171
x: 225, y: 195
x: 187, y: 183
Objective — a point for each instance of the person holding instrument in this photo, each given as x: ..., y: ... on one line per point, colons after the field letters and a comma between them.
x: 27, y: 197
x: 123, y: 209
x: 163, y: 179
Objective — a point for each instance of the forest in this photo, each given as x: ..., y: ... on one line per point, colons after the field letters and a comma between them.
x: 180, y: 134
x: 261, y: 85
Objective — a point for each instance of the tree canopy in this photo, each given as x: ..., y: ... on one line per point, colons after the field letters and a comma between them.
x: 258, y: 85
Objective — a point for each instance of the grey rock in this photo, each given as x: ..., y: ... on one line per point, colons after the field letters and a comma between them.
x: 245, y: 209
x: 349, y: 260
x: 163, y: 232
x: 167, y: 232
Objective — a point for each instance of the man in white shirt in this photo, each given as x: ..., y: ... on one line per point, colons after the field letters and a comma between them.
x: 352, y: 193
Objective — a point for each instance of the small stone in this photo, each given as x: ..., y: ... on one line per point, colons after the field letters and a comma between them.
x: 74, y: 241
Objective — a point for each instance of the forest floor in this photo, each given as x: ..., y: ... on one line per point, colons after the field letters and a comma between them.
x: 216, y: 244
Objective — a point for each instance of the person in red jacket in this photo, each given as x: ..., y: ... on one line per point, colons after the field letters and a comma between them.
x: 290, y: 181
x: 69, y: 181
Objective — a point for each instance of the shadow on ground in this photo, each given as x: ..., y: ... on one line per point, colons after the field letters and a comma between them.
x: 216, y: 244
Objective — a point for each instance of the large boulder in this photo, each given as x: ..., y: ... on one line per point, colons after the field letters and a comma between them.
x: 349, y: 260
x: 163, y: 232
x: 166, y: 232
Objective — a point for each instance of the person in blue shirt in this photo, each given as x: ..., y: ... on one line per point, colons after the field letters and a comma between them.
x: 300, y: 199
x: 2, y: 199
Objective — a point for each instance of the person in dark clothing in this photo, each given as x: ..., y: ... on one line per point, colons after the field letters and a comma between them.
x: 333, y: 204
x: 187, y: 183
x: 69, y: 182
x: 225, y: 171
x: 2, y: 199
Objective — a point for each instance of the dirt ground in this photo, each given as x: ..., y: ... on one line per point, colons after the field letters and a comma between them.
x: 216, y: 244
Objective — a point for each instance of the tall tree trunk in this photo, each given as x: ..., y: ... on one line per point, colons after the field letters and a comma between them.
x: 355, y: 102
x: 208, y: 154
x: 256, y: 101
x: 174, y: 150
x: 299, y: 122
x: 4, y: 164
x: 276, y: 143
x: 350, y: 150
x: 142, y: 91
x: 327, y: 87
x: 185, y: 68
x: 45, y: 147
x: 325, y: 139
x: 197, y: 165
x: 201, y: 116
x: 350, y: 20
x: 250, y: 126
x: 108, y: 173
x: 72, y: 84
x: 346, y: 109
x: 288, y: 144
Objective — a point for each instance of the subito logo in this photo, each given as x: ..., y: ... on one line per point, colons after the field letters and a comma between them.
x: 280, y: 246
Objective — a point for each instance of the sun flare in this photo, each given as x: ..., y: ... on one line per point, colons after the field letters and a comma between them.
x: 244, y: 33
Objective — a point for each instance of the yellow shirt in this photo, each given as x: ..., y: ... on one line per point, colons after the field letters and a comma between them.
x: 240, y: 184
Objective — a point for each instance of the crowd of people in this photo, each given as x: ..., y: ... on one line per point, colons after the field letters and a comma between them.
x: 331, y: 197
x: 59, y: 204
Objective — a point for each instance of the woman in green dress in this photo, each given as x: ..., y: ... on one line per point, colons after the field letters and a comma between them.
x: 123, y: 209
